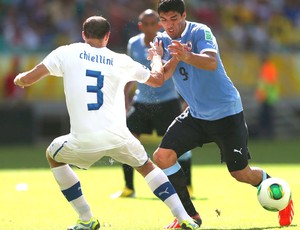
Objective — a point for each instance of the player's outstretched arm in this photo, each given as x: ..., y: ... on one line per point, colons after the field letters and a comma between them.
x: 170, y: 66
x: 30, y: 77
x: 157, y: 72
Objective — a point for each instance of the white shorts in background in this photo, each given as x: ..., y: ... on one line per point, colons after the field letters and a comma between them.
x: 64, y: 151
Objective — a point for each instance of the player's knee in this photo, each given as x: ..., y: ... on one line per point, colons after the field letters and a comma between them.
x: 164, y: 157
x: 48, y: 157
x: 157, y: 157
x: 52, y: 162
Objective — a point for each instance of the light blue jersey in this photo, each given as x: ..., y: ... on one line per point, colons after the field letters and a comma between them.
x: 210, y: 94
x: 146, y: 94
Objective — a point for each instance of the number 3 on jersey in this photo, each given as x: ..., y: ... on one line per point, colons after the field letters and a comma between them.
x: 95, y: 89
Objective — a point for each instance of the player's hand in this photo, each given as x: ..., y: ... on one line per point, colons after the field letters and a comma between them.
x: 156, y: 49
x: 17, y: 80
x: 179, y: 51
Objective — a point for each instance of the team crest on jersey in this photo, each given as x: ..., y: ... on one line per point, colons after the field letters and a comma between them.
x: 208, y: 35
x: 189, y: 45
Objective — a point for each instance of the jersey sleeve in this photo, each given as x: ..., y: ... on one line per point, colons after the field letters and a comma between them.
x: 142, y: 73
x: 206, y: 41
x: 136, y: 71
x: 53, y: 62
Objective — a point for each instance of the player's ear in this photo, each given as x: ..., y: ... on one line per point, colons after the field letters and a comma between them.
x: 106, y: 37
x: 83, y: 36
x: 140, y: 25
x: 159, y: 26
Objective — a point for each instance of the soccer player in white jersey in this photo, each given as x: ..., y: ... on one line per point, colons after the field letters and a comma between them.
x: 94, y: 79
x: 151, y: 108
x: 215, y: 112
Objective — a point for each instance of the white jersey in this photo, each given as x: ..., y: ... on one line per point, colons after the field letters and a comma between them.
x: 94, y: 80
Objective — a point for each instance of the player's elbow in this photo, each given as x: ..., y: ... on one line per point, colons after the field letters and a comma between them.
x: 213, y: 64
x: 210, y: 62
x: 159, y: 81
x: 156, y: 84
x: 156, y: 80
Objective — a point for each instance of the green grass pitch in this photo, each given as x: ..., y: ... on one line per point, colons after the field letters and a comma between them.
x: 42, y: 206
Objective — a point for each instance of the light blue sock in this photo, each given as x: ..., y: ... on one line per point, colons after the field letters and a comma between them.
x: 184, y: 157
x: 173, y: 169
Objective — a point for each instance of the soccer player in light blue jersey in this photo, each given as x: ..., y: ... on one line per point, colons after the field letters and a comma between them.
x: 151, y: 108
x: 215, y: 112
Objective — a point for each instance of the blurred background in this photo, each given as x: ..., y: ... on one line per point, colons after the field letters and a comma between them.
x: 259, y: 41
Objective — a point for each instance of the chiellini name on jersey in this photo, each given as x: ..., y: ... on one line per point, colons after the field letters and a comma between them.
x: 96, y: 58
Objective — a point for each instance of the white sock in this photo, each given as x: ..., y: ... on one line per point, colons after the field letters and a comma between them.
x: 159, y: 184
x: 66, y: 178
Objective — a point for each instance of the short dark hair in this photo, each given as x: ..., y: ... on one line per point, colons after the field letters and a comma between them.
x: 148, y: 12
x: 96, y: 27
x: 171, y: 5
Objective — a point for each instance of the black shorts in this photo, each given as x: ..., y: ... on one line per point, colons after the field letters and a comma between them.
x: 229, y: 133
x: 145, y: 118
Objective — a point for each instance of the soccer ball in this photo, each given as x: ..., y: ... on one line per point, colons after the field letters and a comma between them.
x: 274, y: 194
